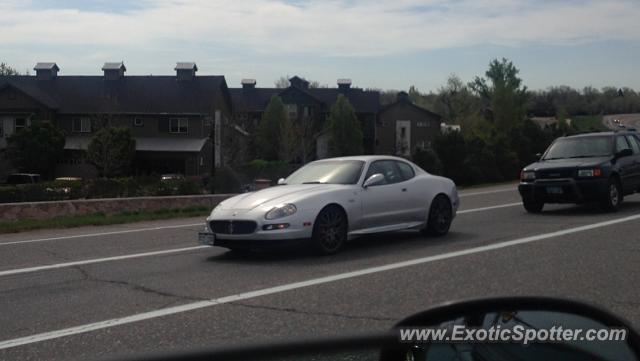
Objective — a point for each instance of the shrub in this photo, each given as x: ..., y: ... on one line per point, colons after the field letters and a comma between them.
x: 428, y: 160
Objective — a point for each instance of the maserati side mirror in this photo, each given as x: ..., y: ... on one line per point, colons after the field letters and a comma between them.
x: 281, y: 181
x: 375, y: 179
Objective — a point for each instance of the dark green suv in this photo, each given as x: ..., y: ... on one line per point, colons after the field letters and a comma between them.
x: 592, y: 167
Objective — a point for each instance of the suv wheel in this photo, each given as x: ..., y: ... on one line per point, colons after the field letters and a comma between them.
x: 532, y: 206
x: 613, y: 197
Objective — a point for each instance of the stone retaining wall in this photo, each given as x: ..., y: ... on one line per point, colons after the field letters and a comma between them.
x: 48, y: 210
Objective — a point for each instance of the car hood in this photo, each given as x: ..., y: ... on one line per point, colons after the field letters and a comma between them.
x: 567, y: 163
x: 277, y: 194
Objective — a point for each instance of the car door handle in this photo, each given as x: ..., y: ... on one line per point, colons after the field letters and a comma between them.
x: 404, y: 189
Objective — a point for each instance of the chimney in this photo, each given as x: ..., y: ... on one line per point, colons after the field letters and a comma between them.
x: 113, y: 71
x: 344, y: 84
x: 248, y: 83
x: 298, y: 82
x: 402, y: 96
x: 46, y: 71
x: 186, y: 71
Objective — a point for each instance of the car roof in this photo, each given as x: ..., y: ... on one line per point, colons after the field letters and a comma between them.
x: 364, y: 158
x: 26, y: 174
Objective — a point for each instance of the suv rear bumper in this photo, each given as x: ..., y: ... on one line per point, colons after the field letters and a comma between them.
x: 573, y: 191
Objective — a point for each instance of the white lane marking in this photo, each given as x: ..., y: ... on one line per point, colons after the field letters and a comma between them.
x: 168, y: 251
x: 487, y: 192
x: 102, y: 233
x: 489, y: 208
x: 297, y: 285
x: 97, y: 260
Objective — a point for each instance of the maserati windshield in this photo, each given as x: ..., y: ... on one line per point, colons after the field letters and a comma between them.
x: 581, y: 147
x: 336, y: 172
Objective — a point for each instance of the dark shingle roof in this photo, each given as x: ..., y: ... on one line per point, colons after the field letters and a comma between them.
x: 258, y: 98
x: 131, y: 94
x: 419, y: 108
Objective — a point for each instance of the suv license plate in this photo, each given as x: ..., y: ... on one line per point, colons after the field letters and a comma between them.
x: 554, y: 190
x: 206, y: 238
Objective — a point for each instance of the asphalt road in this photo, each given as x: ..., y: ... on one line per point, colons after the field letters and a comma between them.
x: 96, y: 292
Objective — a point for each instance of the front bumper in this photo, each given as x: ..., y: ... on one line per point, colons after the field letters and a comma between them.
x: 566, y: 190
x: 300, y: 227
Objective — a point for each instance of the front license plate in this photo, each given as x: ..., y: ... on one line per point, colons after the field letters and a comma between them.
x: 554, y: 190
x: 206, y: 238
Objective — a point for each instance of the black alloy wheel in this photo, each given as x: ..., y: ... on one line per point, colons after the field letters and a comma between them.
x: 330, y: 230
x: 440, y: 217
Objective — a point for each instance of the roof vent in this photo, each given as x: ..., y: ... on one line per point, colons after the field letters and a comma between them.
x: 344, y: 84
x: 46, y: 71
x: 248, y: 83
x: 113, y: 71
x: 185, y: 70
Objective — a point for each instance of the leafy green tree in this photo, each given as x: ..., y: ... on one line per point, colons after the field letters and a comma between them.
x: 268, y: 135
x: 345, y: 129
x: 36, y: 148
x: 503, y: 93
x: 288, y: 139
x: 111, y: 151
x: 7, y: 70
x: 457, y: 104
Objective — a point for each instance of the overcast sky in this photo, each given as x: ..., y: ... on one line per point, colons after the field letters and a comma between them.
x: 389, y: 44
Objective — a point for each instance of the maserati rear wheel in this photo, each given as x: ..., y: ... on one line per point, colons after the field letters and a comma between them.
x: 440, y: 217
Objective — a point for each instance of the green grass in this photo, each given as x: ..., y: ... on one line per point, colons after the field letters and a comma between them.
x: 100, y: 219
x: 588, y: 122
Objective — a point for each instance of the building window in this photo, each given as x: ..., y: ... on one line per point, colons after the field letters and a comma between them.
x: 178, y: 125
x: 20, y: 123
x: 138, y: 122
x: 423, y: 124
x: 1, y: 129
x: 81, y: 125
x: 292, y: 111
x: 306, y: 112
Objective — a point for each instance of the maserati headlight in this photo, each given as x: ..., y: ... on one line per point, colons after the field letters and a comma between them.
x: 281, y: 211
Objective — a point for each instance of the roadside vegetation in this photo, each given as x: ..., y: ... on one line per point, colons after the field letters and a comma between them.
x: 100, y: 219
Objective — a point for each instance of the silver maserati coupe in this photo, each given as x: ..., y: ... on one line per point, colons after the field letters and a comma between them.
x: 330, y: 201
